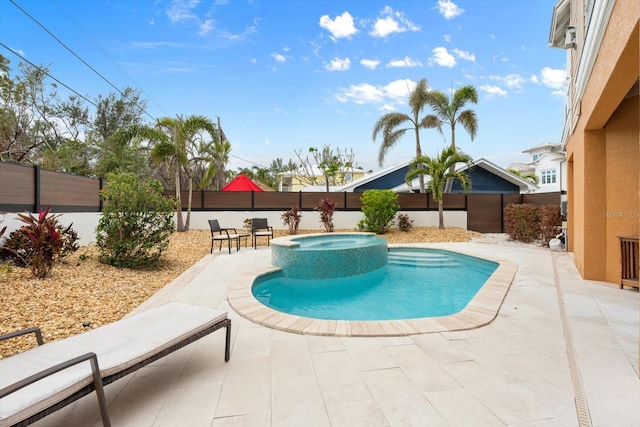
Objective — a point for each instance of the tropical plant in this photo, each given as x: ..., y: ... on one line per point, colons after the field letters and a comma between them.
x: 172, y: 141
x: 291, y: 219
x: 333, y: 164
x: 136, y: 222
x: 450, y: 111
x: 326, y: 207
x: 527, y: 176
x: 522, y: 222
x: 404, y: 222
x: 390, y: 124
x: 39, y: 243
x: 379, y: 208
x: 439, y: 170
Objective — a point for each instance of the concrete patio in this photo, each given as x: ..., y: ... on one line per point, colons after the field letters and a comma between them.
x: 561, y: 352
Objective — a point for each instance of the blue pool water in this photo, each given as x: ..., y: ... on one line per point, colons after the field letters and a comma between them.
x: 414, y: 283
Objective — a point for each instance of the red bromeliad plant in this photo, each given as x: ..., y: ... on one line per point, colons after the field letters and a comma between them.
x: 291, y: 218
x: 42, y: 244
x: 326, y: 207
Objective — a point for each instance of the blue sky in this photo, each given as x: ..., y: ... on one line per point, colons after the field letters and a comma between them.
x: 285, y: 75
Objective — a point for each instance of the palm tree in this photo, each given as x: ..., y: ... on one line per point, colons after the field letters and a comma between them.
x: 389, y: 124
x: 440, y: 170
x: 172, y: 141
x: 450, y: 111
x: 527, y: 176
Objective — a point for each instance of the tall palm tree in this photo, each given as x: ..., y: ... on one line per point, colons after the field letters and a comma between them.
x: 390, y: 124
x: 439, y: 169
x: 171, y: 144
x: 450, y: 111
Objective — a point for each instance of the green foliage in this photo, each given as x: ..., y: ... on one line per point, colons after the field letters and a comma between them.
x: 550, y: 221
x: 522, y: 222
x: 326, y: 207
x: 291, y: 218
x: 136, y: 222
x: 379, y: 208
x: 39, y: 243
x: 404, y: 222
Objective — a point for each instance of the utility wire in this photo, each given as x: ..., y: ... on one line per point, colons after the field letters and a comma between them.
x: 109, y: 58
x: 74, y: 54
x: 44, y: 70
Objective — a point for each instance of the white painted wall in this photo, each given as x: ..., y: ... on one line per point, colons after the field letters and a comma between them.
x: 85, y: 223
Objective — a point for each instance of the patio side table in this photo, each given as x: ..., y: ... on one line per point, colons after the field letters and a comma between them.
x: 629, y: 254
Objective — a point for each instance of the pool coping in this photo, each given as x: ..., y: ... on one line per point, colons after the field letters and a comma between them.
x: 480, y: 311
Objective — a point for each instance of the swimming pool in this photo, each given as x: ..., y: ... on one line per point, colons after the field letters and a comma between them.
x: 414, y: 283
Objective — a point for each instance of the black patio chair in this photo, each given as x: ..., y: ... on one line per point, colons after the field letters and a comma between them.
x: 260, y: 228
x: 220, y: 234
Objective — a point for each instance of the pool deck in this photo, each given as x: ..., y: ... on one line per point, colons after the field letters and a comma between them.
x: 561, y: 351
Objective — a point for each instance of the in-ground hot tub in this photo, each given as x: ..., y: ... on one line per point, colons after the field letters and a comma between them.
x: 324, y: 256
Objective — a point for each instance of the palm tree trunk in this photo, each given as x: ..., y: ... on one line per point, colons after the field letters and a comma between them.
x: 452, y: 169
x: 440, y: 215
x: 180, y: 225
x: 188, y: 221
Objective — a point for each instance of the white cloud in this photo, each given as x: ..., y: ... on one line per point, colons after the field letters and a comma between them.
x: 449, y: 9
x: 447, y: 38
x: 279, y: 57
x: 338, y: 64
x: 180, y: 10
x: 341, y: 27
x: 390, y: 95
x: 514, y: 81
x: 361, y: 94
x: 406, y: 62
x: 442, y: 57
x: 206, y: 27
x: 392, y: 22
x: 553, y: 78
x: 463, y: 54
x: 492, y: 91
x: 370, y: 63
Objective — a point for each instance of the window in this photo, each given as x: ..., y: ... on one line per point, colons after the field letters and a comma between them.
x: 548, y: 176
x: 535, y: 157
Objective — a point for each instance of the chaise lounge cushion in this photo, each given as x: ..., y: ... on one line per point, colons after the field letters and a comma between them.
x: 118, y: 346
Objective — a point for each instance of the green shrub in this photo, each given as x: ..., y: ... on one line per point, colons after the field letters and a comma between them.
x: 39, y: 243
x: 291, y: 219
x: 522, y: 222
x: 326, y: 207
x: 379, y: 208
x: 404, y: 222
x: 550, y: 222
x: 135, y: 224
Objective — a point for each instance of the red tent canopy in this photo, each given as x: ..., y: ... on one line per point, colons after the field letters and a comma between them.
x: 241, y: 183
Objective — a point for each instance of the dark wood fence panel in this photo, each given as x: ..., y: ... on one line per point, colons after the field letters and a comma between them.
x: 64, y: 192
x: 312, y: 199
x: 17, y: 187
x: 353, y: 201
x: 228, y: 200
x: 542, y: 198
x: 409, y: 201
x: 509, y: 199
x: 484, y: 213
x: 451, y: 201
x: 275, y: 200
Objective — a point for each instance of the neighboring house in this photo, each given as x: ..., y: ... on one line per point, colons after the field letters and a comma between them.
x: 547, y: 163
x: 296, y: 181
x: 486, y: 177
x: 601, y: 136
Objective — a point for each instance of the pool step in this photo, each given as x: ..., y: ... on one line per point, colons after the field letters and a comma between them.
x: 421, y: 259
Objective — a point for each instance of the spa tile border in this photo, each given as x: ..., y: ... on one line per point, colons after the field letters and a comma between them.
x: 480, y: 311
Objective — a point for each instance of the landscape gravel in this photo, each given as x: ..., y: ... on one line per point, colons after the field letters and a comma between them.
x: 83, y: 293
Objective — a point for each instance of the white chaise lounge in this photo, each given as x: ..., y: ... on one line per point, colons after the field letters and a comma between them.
x: 50, y: 376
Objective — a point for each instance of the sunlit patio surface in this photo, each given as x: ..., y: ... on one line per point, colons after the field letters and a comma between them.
x: 562, y: 351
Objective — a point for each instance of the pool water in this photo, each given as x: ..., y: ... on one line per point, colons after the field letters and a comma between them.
x: 414, y: 283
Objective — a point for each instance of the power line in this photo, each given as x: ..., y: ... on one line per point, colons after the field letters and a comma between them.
x: 77, y: 56
x: 108, y: 57
x: 44, y: 70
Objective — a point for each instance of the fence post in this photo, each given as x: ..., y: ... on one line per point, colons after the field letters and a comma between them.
x: 36, y: 188
x: 502, y: 212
